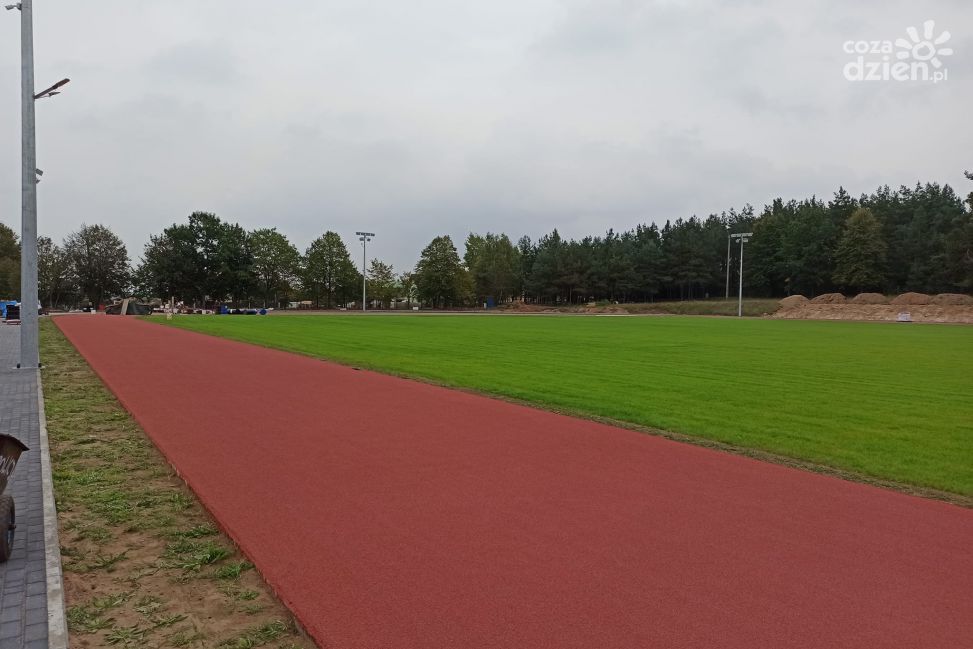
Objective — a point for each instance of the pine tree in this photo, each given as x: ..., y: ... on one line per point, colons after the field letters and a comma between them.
x: 860, y: 257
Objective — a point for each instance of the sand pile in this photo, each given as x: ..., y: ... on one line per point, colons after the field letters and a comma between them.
x: 946, y: 307
x: 912, y: 299
x: 793, y: 301
x: 520, y: 307
x: 611, y: 308
x: 829, y: 298
x: 952, y: 299
x: 869, y: 298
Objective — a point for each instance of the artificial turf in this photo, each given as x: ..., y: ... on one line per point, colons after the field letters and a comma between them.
x: 892, y: 401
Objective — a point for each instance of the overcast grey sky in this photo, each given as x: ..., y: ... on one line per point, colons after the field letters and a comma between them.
x: 413, y: 119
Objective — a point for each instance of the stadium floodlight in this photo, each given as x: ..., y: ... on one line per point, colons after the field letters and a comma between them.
x: 744, y: 237
x: 364, y: 237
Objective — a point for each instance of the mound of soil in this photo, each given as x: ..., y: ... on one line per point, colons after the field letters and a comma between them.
x: 869, y: 298
x: 610, y: 309
x: 952, y: 299
x: 880, y: 312
x: 912, y: 299
x: 829, y: 298
x: 793, y: 301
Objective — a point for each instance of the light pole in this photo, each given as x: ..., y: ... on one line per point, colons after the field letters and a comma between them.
x: 744, y: 237
x: 29, y: 353
x: 364, y: 237
x: 728, y: 238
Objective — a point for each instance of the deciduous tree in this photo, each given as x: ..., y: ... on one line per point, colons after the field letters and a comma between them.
x: 329, y: 271
x: 53, y: 272
x: 276, y: 263
x: 382, y: 285
x: 9, y: 263
x: 440, y: 278
x: 98, y: 261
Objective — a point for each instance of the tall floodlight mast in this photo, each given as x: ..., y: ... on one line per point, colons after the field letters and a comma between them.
x: 744, y: 237
x: 364, y: 237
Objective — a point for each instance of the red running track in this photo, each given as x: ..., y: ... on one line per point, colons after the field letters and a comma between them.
x: 388, y: 513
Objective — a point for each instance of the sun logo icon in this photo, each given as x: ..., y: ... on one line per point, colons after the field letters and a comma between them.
x: 925, y: 48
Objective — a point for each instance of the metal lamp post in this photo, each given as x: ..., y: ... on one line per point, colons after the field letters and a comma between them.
x: 29, y: 353
x: 728, y: 239
x: 364, y: 237
x: 744, y: 237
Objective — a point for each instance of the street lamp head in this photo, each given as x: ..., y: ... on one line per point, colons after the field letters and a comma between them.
x: 53, y: 90
x: 9, y: 7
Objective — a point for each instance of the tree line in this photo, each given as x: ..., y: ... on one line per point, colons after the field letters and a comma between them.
x: 892, y: 240
x: 89, y: 267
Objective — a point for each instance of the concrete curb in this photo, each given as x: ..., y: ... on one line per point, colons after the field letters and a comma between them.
x: 57, y: 627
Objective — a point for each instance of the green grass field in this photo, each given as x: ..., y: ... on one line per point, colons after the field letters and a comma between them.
x: 883, y: 400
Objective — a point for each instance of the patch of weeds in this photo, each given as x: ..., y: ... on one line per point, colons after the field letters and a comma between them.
x: 205, y: 557
x: 252, y: 609
x: 196, y: 532
x: 83, y: 619
x: 126, y: 636
x: 114, y: 505
x: 106, y: 562
x: 185, y: 638
x: 146, y: 571
x: 71, y: 551
x: 108, y: 602
x: 179, y: 501
x: 233, y: 570
x: 167, y: 620
x: 191, y: 555
x: 94, y: 533
x: 149, y: 605
x: 257, y: 636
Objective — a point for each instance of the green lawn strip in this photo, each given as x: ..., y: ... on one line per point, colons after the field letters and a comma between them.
x: 888, y: 401
x: 144, y: 566
x: 715, y: 306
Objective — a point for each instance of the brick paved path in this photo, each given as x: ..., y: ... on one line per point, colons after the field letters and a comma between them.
x: 23, y: 579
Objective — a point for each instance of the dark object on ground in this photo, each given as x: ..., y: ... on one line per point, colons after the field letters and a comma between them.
x: 134, y: 308
x: 8, y: 519
x: 12, y: 312
x: 10, y: 450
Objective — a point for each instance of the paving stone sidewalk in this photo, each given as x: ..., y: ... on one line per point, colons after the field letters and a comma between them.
x: 24, y: 619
